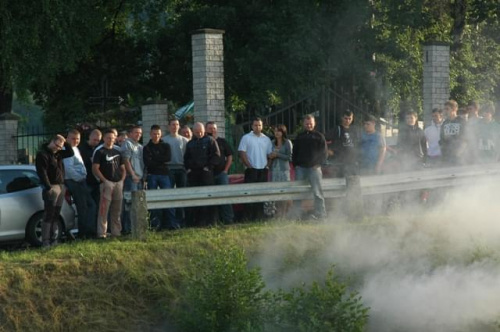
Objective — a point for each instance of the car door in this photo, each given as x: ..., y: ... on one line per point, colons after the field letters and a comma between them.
x: 20, y: 199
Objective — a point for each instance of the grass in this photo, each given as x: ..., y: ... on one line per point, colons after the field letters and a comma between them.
x: 129, y: 285
x: 115, y: 285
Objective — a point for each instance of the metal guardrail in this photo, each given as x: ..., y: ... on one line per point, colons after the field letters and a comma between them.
x: 429, y: 178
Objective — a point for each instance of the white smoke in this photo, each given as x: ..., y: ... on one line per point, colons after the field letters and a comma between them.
x: 427, y: 270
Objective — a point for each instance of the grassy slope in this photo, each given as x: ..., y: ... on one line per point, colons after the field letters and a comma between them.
x: 115, y: 285
x: 127, y: 285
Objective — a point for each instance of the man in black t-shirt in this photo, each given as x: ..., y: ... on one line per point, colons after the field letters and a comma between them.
x: 221, y: 170
x: 342, y: 143
x: 108, y: 167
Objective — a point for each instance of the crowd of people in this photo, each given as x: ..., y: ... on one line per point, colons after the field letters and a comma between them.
x: 99, y: 170
x: 456, y: 137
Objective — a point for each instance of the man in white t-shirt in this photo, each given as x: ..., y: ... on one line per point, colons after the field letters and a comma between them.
x: 432, y: 134
x: 254, y: 149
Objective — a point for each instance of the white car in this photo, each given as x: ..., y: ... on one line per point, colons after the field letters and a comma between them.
x: 21, y: 206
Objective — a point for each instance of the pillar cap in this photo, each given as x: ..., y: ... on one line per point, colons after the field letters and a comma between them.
x: 208, y: 31
x: 9, y: 116
x: 436, y: 43
x: 153, y: 102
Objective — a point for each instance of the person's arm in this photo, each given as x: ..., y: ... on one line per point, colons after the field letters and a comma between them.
x: 229, y: 161
x: 381, y: 155
x: 97, y: 173
x: 423, y: 145
x: 126, y: 155
x: 325, y: 149
x: 244, y: 159
x: 130, y: 170
x: 229, y: 158
x: 124, y: 174
x: 287, y: 154
x: 167, y: 153
x: 187, y: 159
x: 214, y: 154
x: 294, y: 152
x: 67, y: 151
x: 147, y: 157
x: 41, y: 169
x: 441, y: 135
x: 270, y: 146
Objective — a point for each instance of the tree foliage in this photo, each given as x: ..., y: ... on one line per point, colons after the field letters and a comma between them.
x: 41, y: 39
x: 275, y: 51
x: 469, y: 26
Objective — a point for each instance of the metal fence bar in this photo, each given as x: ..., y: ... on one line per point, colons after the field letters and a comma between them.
x: 332, y: 188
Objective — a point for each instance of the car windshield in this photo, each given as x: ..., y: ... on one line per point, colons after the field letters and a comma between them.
x: 13, y: 180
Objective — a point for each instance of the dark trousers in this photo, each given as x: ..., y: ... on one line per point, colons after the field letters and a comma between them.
x: 255, y: 211
x: 226, y: 213
x: 85, y: 207
x: 201, y: 215
x: 178, y: 179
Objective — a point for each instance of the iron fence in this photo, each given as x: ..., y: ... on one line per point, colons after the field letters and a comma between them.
x: 29, y: 140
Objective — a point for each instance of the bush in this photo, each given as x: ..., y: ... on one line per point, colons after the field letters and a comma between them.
x: 321, y: 307
x: 222, y: 294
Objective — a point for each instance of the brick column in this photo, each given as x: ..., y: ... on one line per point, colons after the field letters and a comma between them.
x: 8, y: 143
x: 436, y: 87
x: 208, y: 77
x: 154, y: 113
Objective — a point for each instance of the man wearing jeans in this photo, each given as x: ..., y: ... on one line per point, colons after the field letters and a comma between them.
x: 109, y: 169
x: 75, y: 180
x: 309, y: 153
x: 177, y: 172
x: 254, y: 149
x: 50, y: 170
x: 131, y: 151
x: 156, y: 156
x: 221, y: 170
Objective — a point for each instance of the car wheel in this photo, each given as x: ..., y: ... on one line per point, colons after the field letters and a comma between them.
x: 34, y: 230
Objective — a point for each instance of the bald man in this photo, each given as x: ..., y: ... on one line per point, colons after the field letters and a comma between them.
x: 202, y: 155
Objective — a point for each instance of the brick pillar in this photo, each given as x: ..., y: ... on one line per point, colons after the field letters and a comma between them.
x: 154, y: 113
x: 208, y: 77
x: 436, y: 89
x: 8, y: 143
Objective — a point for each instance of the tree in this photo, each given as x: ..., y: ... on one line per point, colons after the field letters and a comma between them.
x: 470, y: 27
x: 41, y: 39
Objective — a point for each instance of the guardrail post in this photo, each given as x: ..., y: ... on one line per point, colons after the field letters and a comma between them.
x: 354, y: 198
x: 139, y: 214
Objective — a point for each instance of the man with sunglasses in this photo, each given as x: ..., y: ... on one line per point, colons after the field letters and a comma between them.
x: 50, y: 170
